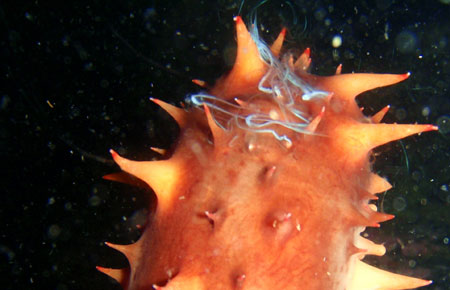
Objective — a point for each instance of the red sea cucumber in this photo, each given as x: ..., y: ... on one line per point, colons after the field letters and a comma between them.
x: 269, y: 183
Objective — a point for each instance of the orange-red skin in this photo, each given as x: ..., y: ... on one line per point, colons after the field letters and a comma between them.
x: 239, y: 209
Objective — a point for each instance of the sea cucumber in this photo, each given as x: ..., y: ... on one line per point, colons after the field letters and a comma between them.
x: 269, y: 184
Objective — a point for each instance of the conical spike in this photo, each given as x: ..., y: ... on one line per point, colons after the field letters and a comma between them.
x: 356, y: 218
x: 200, y: 83
x: 339, y: 69
x: 380, y: 115
x: 370, y: 247
x: 348, y: 86
x: 241, y: 103
x: 178, y: 114
x: 315, y: 122
x: 239, y: 281
x: 161, y: 176
x: 268, y: 173
x: 248, y: 59
x: 131, y: 251
x: 160, y: 151
x: 303, y: 62
x: 380, y: 217
x: 379, y: 134
x: 370, y: 211
x: 217, y: 132
x: 377, y: 184
x: 360, y: 138
x: 126, y: 178
x: 365, y: 196
x: 248, y: 67
x: 278, y: 43
x: 212, y: 217
x: 369, y: 277
x: 291, y: 62
x: 120, y: 275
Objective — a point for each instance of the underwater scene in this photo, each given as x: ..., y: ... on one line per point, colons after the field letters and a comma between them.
x: 82, y: 77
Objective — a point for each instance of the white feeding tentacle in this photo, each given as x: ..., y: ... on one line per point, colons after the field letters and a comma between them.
x: 282, y: 85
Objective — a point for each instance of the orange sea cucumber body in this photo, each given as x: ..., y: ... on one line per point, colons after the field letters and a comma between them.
x: 256, y: 196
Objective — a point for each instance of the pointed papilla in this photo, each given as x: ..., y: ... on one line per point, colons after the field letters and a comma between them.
x: 178, y: 114
x: 126, y: 178
x: 217, y: 132
x: 356, y: 218
x: 212, y: 217
x: 379, y: 134
x: 302, y: 63
x: 377, y: 184
x: 380, y: 217
x: 348, y: 86
x: 278, y: 43
x: 247, y: 70
x: 161, y: 175
x: 365, y: 195
x: 380, y: 115
x: 160, y: 151
x: 369, y: 277
x: 339, y: 69
x: 268, y: 173
x: 370, y: 247
x: 248, y: 60
x: 131, y: 251
x: 315, y: 122
x: 200, y: 83
x: 120, y: 275
x: 241, y: 103
x: 359, y: 138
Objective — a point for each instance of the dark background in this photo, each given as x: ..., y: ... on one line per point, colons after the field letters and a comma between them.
x: 75, y: 81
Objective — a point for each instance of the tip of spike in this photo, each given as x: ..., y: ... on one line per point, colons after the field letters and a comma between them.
x: 307, y: 51
x: 116, y: 157
x: 431, y: 128
x: 339, y: 69
x: 113, y: 153
x: 427, y: 128
x: 369, y: 277
x: 104, y: 270
x: 380, y: 115
x: 177, y: 113
x: 200, y: 83
x: 160, y: 151
x: 120, y: 275
x: 404, y: 76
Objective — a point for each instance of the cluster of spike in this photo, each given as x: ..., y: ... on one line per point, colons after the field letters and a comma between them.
x: 239, y: 209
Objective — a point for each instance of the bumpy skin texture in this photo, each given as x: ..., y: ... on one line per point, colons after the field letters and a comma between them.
x: 240, y: 209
